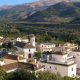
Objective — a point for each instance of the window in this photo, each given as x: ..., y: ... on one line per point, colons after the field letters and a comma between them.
x: 44, y: 66
x: 55, y: 68
x: 50, y: 67
x: 72, y: 69
x: 50, y: 57
x: 77, y: 54
x: 29, y: 50
x: 29, y: 55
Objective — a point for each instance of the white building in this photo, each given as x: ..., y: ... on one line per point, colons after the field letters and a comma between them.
x: 22, y: 40
x: 32, y: 40
x: 1, y: 37
x: 70, y: 46
x: 12, y: 63
x: 2, y: 62
x: 61, y: 63
x: 46, y: 47
x: 67, y: 47
x: 76, y: 54
x: 29, y: 49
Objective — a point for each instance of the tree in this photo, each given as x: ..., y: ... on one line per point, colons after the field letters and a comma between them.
x: 68, y: 78
x: 37, y: 55
x: 21, y: 75
x: 2, y: 74
x: 48, y: 76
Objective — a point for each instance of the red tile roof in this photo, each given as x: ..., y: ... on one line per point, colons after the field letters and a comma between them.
x: 21, y: 65
x: 10, y: 66
x: 13, y: 57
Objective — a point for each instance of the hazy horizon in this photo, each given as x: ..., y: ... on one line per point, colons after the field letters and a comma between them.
x: 15, y: 2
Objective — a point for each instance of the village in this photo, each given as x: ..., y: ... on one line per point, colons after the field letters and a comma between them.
x: 63, y: 59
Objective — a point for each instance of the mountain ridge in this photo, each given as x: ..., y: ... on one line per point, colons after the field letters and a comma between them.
x: 50, y: 10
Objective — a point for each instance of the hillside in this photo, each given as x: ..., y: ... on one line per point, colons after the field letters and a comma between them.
x: 20, y: 12
x: 54, y: 11
x: 59, y: 13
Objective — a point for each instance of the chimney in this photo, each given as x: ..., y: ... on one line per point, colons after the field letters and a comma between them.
x: 59, y: 45
x: 18, y: 57
x: 37, y: 64
x: 35, y: 61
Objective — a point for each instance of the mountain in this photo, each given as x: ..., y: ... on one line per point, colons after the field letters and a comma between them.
x: 56, y: 11
x: 62, y: 12
x: 22, y: 11
x: 5, y: 7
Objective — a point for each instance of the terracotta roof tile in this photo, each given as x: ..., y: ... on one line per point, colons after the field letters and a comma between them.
x: 14, y: 57
x: 10, y: 66
x: 21, y: 65
x: 28, y: 46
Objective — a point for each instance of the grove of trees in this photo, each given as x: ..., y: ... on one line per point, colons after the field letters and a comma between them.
x: 23, y: 74
x: 57, y: 33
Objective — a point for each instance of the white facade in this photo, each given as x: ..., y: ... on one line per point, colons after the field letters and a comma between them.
x: 22, y: 40
x: 2, y: 63
x: 46, y: 47
x: 76, y: 55
x: 19, y: 39
x: 61, y: 69
x: 29, y: 52
x: 1, y: 43
x: 62, y: 64
x: 29, y: 49
x: 1, y: 37
x: 25, y: 40
x: 32, y: 40
x: 70, y: 46
x: 60, y: 58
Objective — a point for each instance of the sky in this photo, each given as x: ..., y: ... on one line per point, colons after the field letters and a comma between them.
x: 14, y: 2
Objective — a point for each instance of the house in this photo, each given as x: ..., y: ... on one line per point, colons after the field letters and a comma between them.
x: 12, y: 63
x: 28, y: 49
x: 2, y: 39
x: 66, y: 47
x: 70, y: 46
x: 76, y: 54
x: 46, y: 47
x: 59, y: 62
x: 22, y: 40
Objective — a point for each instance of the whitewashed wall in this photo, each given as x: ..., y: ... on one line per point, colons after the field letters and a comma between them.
x: 77, y: 57
x: 29, y: 51
x: 62, y: 70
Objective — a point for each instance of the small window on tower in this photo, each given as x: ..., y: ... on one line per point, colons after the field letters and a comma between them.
x: 50, y: 67
x: 55, y: 68
x: 29, y: 50
x: 72, y: 69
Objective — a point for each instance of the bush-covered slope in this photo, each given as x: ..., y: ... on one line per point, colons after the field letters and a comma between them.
x: 59, y: 13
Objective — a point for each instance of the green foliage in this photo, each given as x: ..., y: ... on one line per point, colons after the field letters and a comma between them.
x: 54, y: 33
x: 59, y: 13
x: 68, y: 78
x: 7, y: 45
x: 43, y: 38
x: 2, y: 74
x: 37, y: 55
x: 21, y: 75
x: 48, y: 76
